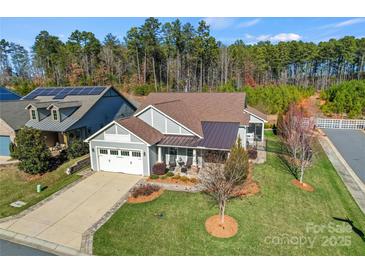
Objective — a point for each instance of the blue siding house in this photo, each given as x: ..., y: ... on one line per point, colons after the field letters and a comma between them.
x: 7, y: 95
x: 64, y: 113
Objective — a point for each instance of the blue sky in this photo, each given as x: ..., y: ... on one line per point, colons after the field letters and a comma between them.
x: 227, y: 30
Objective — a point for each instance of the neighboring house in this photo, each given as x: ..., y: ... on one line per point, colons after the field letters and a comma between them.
x: 7, y: 95
x: 13, y: 116
x: 63, y: 113
x: 175, y: 128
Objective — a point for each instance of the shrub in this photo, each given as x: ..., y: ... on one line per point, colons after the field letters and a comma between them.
x: 144, y: 190
x: 159, y: 168
x: 143, y: 90
x: 76, y: 149
x: 236, y: 166
x: 31, y: 150
x: 252, y: 153
x: 154, y: 177
x: 170, y: 174
x: 164, y: 176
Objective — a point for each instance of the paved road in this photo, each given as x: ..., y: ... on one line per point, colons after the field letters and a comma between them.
x: 351, y: 145
x: 12, y: 249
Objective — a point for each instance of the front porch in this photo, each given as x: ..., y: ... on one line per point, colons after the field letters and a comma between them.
x: 188, y: 161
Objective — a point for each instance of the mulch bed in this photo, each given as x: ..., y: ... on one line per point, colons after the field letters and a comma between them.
x: 171, y: 180
x: 145, y: 199
x: 226, y: 230
x: 304, y: 186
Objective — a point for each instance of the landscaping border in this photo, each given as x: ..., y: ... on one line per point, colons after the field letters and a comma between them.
x: 49, y: 198
x: 88, y: 235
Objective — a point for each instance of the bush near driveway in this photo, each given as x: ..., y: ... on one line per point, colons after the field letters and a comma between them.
x: 280, y: 210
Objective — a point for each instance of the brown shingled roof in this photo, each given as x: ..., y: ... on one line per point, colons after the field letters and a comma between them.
x: 192, y: 108
x: 257, y: 113
x: 141, y: 129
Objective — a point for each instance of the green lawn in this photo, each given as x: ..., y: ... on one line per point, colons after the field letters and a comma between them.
x: 270, y: 223
x: 16, y: 185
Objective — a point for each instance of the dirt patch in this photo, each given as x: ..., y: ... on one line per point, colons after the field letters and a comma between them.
x: 226, y: 230
x: 304, y: 186
x: 145, y: 199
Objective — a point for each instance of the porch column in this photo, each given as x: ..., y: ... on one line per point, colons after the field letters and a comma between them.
x: 194, y: 158
x: 263, y: 132
x: 159, y: 154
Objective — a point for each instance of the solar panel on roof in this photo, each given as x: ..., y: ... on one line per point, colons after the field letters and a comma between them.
x: 96, y: 91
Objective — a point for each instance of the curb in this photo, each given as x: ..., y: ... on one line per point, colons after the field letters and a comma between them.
x: 358, y: 181
x: 353, y: 184
x: 88, y: 235
x: 45, y: 200
x: 40, y: 244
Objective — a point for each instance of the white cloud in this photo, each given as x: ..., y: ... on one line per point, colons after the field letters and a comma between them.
x: 219, y: 23
x: 249, y: 23
x: 280, y: 37
x: 345, y: 23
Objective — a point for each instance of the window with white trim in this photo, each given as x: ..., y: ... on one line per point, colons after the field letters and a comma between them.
x: 114, y: 152
x: 124, y: 152
x: 103, y: 151
x: 136, y: 154
x: 55, y: 114
x: 34, y: 115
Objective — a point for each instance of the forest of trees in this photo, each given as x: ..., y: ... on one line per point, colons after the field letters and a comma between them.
x: 177, y: 57
x: 345, y: 98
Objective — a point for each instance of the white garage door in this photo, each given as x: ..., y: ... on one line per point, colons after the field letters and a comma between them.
x: 120, y: 160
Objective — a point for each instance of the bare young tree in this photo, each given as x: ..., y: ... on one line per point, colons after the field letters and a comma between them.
x: 213, y: 179
x: 296, y: 131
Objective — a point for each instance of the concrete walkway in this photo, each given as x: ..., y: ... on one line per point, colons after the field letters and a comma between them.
x: 64, y: 219
x: 348, y: 176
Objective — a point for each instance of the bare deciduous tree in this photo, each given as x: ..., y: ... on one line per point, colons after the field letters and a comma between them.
x: 213, y: 179
x: 296, y: 131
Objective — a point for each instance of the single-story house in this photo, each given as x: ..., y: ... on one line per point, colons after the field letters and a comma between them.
x: 7, y: 95
x: 175, y: 128
x: 63, y: 113
x: 13, y: 116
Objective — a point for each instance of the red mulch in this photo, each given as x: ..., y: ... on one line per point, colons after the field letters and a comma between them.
x: 249, y: 187
x: 171, y: 180
x: 145, y: 199
x: 226, y: 230
x: 304, y: 186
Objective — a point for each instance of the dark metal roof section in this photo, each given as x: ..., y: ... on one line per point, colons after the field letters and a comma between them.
x: 181, y: 141
x: 219, y: 135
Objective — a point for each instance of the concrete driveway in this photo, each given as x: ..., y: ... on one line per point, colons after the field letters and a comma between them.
x: 64, y: 219
x: 351, y: 145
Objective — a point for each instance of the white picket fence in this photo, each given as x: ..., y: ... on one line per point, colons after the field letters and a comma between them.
x: 340, y: 123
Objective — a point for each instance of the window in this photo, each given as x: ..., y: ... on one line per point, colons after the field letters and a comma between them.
x: 124, y: 152
x: 190, y: 152
x: 34, y: 116
x: 103, y: 151
x: 136, y: 154
x: 114, y: 152
x: 173, y: 151
x: 55, y: 114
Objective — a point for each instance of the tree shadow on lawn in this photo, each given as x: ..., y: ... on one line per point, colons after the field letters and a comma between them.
x: 359, y: 232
